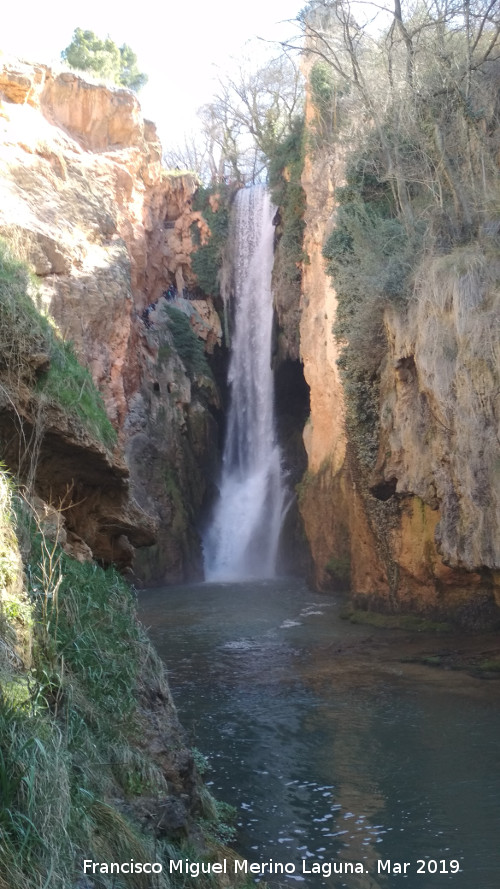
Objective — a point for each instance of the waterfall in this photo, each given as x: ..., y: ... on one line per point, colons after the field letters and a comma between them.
x: 242, y: 539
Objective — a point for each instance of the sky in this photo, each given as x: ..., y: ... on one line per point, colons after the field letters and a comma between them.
x: 180, y: 45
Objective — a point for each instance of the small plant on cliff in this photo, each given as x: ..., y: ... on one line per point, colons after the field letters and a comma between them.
x: 105, y: 59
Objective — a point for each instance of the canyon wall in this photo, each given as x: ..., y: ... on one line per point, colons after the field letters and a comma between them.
x: 419, y: 530
x: 95, y: 242
x: 84, y: 200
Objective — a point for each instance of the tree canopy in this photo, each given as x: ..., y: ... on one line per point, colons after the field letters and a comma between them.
x: 105, y: 59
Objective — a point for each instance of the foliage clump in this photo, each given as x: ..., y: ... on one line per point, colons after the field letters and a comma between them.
x: 188, y: 346
x: 206, y: 262
x: 70, y: 385
x: 326, y: 95
x: 32, y: 353
x: 370, y: 256
x: 105, y: 59
x: 285, y: 171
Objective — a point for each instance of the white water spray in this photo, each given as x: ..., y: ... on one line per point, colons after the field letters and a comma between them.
x: 242, y: 540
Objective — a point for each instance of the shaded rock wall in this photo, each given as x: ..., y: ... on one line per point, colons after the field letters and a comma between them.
x: 172, y: 447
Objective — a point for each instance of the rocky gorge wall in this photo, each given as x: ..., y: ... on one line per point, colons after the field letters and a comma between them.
x: 85, y: 202
x: 91, y: 481
x: 419, y: 531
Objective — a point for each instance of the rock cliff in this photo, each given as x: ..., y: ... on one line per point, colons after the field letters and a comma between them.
x: 86, y: 203
x: 106, y: 234
x: 420, y: 530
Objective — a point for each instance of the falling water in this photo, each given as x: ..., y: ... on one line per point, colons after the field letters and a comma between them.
x: 242, y: 540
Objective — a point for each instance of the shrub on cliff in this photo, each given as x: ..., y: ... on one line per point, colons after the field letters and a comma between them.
x: 285, y: 170
x: 207, y: 259
x: 105, y: 59
x: 188, y: 346
x: 370, y: 255
x: 417, y: 125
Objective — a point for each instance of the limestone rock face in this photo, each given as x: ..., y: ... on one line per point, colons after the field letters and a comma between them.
x: 85, y: 201
x: 324, y: 435
x: 440, y: 404
x: 172, y: 449
x: 20, y: 83
x: 76, y: 476
x: 422, y: 531
x: 99, y: 119
x: 325, y: 497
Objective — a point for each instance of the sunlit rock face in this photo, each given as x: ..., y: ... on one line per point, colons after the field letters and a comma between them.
x: 84, y: 196
x: 420, y: 531
x: 85, y: 201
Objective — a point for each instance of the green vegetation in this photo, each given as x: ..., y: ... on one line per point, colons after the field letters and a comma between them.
x: 339, y: 569
x: 69, y: 744
x: 186, y: 343
x: 104, y: 59
x: 322, y: 81
x: 408, y: 622
x: 180, y: 522
x: 285, y: 171
x: 32, y: 353
x: 207, y: 260
x: 74, y: 719
x: 220, y: 826
x: 326, y: 93
x: 71, y: 386
x: 23, y: 330
x: 490, y: 665
x: 370, y: 258
x: 67, y: 726
x: 414, y: 116
x: 164, y: 353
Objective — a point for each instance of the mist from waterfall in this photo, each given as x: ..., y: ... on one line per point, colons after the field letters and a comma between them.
x: 242, y: 539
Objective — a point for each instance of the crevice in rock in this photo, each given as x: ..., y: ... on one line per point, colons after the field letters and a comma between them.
x: 292, y: 411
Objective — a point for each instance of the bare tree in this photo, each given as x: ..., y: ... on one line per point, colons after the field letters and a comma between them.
x: 250, y: 113
x: 418, y: 81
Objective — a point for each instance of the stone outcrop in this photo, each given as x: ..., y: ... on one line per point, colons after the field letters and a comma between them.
x: 172, y: 448
x: 84, y: 199
x: 420, y: 531
x: 81, y: 481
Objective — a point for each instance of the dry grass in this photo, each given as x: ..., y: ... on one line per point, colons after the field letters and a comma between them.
x: 457, y: 313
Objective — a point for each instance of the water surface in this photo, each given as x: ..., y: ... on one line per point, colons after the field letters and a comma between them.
x: 330, y: 747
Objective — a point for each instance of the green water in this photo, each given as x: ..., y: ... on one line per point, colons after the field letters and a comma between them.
x: 331, y: 748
